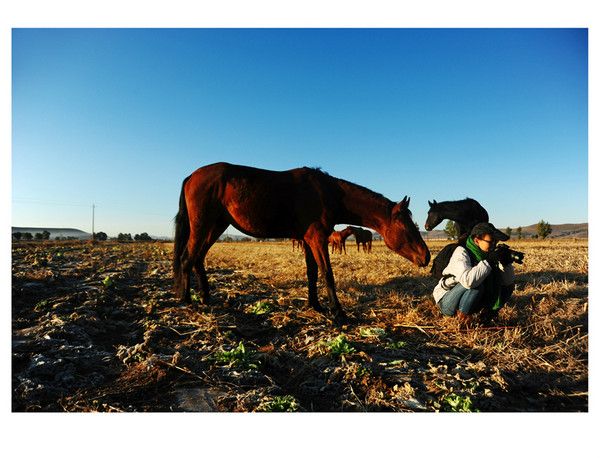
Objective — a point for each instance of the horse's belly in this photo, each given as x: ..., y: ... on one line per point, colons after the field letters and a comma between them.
x: 260, y: 223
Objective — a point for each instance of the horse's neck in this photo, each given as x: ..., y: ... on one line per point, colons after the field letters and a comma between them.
x: 362, y: 207
x: 346, y: 232
x: 455, y: 213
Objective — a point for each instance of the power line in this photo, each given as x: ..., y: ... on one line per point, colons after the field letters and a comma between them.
x: 114, y: 207
x: 45, y: 202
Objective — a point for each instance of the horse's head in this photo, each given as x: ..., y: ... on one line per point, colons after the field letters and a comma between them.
x: 403, y: 237
x: 434, y: 217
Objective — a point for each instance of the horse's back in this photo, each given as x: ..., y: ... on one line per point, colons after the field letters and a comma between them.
x: 227, y: 172
x: 262, y: 203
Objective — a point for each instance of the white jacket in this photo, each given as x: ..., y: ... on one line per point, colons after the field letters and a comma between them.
x: 469, y: 276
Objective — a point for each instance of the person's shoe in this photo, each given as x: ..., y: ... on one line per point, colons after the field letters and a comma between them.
x: 487, y: 316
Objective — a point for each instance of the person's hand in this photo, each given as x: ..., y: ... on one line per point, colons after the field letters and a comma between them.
x: 503, y: 254
x: 492, y: 258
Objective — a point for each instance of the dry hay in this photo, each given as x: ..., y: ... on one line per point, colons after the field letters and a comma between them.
x: 97, y: 328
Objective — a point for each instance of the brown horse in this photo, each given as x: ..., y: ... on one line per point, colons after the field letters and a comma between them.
x: 297, y: 243
x: 302, y: 203
x: 335, y: 240
x: 363, y: 237
x: 338, y: 240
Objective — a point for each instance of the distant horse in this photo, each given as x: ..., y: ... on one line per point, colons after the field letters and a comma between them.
x: 335, y: 240
x: 363, y: 237
x: 297, y: 243
x: 338, y: 240
x: 301, y: 203
x: 465, y: 213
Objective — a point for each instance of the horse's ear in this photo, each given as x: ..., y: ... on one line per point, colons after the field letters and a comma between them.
x: 434, y: 202
x: 400, y: 206
x: 430, y: 204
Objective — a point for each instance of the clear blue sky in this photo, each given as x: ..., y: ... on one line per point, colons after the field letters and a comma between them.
x: 118, y: 117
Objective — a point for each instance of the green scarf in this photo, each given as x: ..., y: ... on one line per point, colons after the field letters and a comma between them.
x: 491, y: 284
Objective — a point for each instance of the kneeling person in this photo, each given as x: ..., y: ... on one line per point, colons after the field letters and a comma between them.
x: 475, y: 279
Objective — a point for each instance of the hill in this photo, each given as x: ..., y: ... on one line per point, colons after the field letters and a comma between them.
x: 578, y: 231
x: 559, y: 230
x: 55, y: 232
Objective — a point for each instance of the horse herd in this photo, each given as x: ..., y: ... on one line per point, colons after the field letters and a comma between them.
x: 303, y: 204
x: 337, y: 240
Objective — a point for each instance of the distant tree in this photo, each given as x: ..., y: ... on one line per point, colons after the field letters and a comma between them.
x: 519, y: 232
x: 46, y: 235
x: 143, y: 237
x: 17, y: 235
x: 39, y: 236
x: 101, y: 236
x: 124, y: 237
x: 451, y: 230
x: 543, y: 229
x: 509, y: 231
x: 27, y: 236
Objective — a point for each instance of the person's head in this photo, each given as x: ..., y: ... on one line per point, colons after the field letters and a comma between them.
x: 485, y: 236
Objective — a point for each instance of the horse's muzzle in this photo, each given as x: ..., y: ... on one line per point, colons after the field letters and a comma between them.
x: 425, y: 261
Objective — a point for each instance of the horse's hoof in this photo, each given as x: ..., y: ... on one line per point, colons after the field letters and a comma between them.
x: 319, y: 309
x: 340, y: 318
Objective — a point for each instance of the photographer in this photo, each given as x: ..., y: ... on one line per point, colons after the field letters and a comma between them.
x: 478, y: 277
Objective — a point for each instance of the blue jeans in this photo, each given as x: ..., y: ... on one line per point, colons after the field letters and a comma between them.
x: 468, y: 300
x: 460, y: 298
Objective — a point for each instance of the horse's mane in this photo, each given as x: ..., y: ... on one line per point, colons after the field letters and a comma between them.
x: 366, y: 191
x: 453, y: 203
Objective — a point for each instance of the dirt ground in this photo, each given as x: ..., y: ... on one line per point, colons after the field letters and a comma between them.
x: 97, y: 328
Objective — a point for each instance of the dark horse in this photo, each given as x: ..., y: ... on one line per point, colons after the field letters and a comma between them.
x: 465, y: 213
x: 302, y: 203
x: 363, y: 237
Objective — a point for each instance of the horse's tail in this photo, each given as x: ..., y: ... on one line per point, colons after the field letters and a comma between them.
x: 182, y: 234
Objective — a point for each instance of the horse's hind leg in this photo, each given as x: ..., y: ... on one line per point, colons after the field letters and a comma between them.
x: 186, y: 268
x: 210, y: 237
x: 312, y: 272
x: 318, y: 246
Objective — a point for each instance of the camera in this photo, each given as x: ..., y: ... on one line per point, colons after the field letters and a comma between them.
x: 507, y: 256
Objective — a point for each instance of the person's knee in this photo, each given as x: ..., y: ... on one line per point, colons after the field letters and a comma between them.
x: 470, y: 300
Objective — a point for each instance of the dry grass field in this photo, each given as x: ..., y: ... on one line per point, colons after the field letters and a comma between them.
x: 97, y: 328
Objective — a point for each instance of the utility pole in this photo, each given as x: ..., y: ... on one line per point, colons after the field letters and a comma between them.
x: 93, y: 234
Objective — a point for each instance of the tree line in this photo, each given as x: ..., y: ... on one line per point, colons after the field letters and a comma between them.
x: 98, y: 236
x: 543, y: 230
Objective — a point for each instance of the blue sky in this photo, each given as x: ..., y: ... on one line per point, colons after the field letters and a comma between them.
x: 118, y: 117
